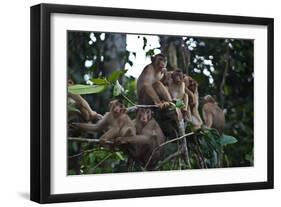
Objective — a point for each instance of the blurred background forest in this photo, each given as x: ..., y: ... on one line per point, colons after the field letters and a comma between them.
x: 222, y: 67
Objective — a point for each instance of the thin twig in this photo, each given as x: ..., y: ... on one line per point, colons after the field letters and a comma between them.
x: 87, y: 151
x: 135, y: 107
x: 127, y: 99
x: 165, y: 143
x: 169, y: 158
x: 102, y: 161
x: 225, y: 73
x: 78, y: 139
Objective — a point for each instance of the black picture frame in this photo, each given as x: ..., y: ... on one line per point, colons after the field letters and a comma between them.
x: 41, y: 96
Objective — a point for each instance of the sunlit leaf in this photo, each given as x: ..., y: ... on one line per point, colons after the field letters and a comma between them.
x: 180, y: 104
x: 119, y: 155
x: 100, y: 81
x: 226, y: 139
x: 115, y: 75
x: 86, y: 89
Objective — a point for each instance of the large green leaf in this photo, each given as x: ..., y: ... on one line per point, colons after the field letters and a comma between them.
x: 100, y: 81
x: 226, y: 139
x: 115, y: 75
x: 86, y: 89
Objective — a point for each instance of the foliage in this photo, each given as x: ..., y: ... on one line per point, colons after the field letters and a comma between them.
x: 222, y: 67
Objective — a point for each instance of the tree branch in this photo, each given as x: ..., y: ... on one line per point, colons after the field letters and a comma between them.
x: 225, y: 73
x: 169, y: 158
x: 108, y: 156
x: 78, y: 139
x: 165, y: 143
x: 134, y: 108
x: 87, y: 151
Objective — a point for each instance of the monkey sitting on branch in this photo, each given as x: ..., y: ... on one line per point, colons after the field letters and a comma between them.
x: 214, y: 118
x: 150, y: 90
x: 116, y: 122
x: 193, y: 97
x: 149, y: 136
x: 177, y: 89
x: 212, y: 114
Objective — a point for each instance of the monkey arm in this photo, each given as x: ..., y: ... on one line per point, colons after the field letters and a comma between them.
x: 191, y: 94
x: 101, y: 125
x: 87, y: 126
x: 85, y: 108
x: 149, y: 91
x: 208, y: 118
x: 185, y: 101
x: 110, y: 135
x: 80, y: 101
x: 162, y: 91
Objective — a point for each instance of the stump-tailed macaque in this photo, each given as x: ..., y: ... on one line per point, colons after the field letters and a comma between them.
x: 192, y: 91
x: 149, y: 136
x: 150, y: 89
x: 212, y: 114
x: 177, y: 90
x: 116, y: 122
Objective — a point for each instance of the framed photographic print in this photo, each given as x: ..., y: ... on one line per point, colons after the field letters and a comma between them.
x: 132, y: 103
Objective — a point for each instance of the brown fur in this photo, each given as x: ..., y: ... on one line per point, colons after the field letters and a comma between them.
x: 149, y: 136
x: 150, y: 89
x: 116, y: 122
x: 212, y: 114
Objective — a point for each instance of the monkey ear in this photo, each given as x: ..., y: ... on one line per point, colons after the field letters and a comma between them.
x: 110, y: 104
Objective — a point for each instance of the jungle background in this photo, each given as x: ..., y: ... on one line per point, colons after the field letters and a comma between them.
x: 105, y: 65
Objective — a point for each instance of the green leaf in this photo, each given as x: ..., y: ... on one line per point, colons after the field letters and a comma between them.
x: 100, y: 81
x: 86, y: 89
x: 115, y: 75
x: 226, y: 139
x: 120, y: 156
x: 149, y: 53
x: 179, y: 104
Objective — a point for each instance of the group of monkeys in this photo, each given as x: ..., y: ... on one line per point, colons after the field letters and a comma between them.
x: 155, y: 86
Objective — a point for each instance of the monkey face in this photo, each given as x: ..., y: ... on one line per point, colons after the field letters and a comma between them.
x: 209, y: 99
x: 116, y: 108
x: 159, y: 62
x: 177, y: 77
x: 144, y: 115
x: 192, y: 85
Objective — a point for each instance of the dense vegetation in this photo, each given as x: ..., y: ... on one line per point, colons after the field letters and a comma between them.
x: 222, y: 67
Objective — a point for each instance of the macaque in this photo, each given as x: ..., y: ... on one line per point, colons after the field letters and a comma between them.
x: 212, y: 114
x: 193, y: 95
x: 176, y: 87
x: 149, y: 136
x: 150, y: 89
x: 86, y: 112
x: 116, y: 122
